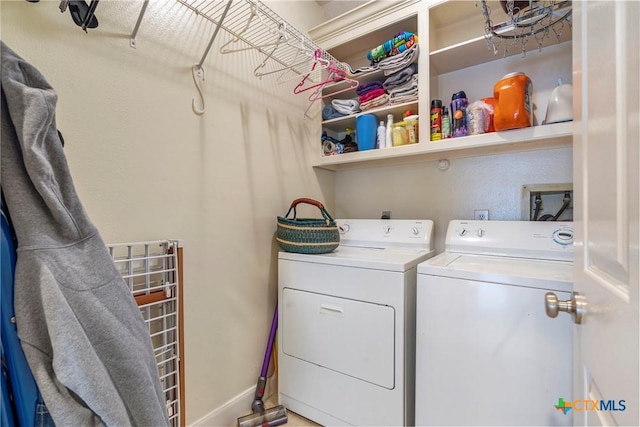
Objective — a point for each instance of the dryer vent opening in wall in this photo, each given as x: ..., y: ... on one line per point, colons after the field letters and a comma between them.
x: 547, y: 202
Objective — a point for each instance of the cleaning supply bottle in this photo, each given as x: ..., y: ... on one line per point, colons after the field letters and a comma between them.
x: 382, y: 135
x: 389, y: 137
x: 446, y: 123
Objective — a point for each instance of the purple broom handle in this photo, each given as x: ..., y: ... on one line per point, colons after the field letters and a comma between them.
x: 272, y: 338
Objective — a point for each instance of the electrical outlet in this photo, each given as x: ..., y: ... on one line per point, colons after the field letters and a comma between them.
x: 481, y: 214
x: 386, y: 215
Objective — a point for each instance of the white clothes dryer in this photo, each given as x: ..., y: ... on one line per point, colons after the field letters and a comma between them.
x: 487, y: 353
x: 346, y: 334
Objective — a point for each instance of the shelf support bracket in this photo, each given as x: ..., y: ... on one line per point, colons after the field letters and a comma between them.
x: 132, y: 40
x: 215, y: 33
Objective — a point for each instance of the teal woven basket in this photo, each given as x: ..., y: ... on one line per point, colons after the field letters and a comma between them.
x: 307, y: 235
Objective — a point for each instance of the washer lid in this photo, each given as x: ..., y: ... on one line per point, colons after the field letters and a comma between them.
x: 376, y: 258
x: 532, y: 273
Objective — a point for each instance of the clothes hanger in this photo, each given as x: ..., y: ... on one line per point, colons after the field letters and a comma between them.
x: 318, y: 59
x: 292, y: 71
x: 254, y: 12
x: 339, y: 75
x: 283, y: 36
x: 307, y: 54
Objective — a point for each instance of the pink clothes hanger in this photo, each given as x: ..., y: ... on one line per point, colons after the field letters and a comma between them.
x: 335, y: 75
x: 318, y: 59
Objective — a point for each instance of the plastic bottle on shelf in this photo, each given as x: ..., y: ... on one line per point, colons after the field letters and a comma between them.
x: 382, y: 135
x: 446, y: 123
x: 389, y: 138
x: 412, y: 128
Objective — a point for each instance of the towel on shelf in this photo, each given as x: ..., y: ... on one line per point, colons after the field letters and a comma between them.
x: 360, y: 70
x: 401, y: 77
x: 364, y: 88
x: 371, y: 95
x: 375, y: 102
x: 346, y: 106
x: 395, y: 46
x: 329, y: 112
x: 411, y: 85
x: 393, y: 64
x: 405, y: 93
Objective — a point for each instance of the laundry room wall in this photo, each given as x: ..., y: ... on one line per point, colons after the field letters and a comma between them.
x: 422, y: 191
x: 146, y: 167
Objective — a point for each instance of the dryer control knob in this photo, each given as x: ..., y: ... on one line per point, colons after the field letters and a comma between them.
x: 344, y: 228
x: 415, y: 231
x: 480, y: 232
x: 463, y: 232
x: 387, y: 230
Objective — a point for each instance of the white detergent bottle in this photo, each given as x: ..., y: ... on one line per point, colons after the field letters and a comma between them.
x: 388, y: 138
x: 382, y: 136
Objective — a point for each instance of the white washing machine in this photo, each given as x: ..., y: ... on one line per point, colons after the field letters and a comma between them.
x: 487, y: 354
x: 346, y: 333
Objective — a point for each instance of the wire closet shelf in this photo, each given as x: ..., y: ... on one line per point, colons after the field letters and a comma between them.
x: 253, y: 25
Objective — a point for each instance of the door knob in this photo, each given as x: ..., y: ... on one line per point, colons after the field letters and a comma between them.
x: 576, y: 306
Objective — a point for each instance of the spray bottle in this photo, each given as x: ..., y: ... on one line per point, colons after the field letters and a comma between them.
x: 446, y: 123
x: 389, y: 139
x: 382, y: 136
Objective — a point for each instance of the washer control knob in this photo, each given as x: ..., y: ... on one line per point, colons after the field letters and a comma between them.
x: 387, y: 229
x: 415, y: 231
x: 344, y: 228
x: 463, y: 232
x: 480, y: 232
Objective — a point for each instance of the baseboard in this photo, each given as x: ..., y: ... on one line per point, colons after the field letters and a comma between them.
x: 227, y: 414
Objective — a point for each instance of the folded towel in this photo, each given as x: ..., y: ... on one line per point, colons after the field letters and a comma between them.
x: 411, y: 85
x: 346, y: 106
x: 368, y: 87
x: 393, y: 64
x: 398, y: 44
x: 403, y: 99
x: 375, y: 102
x: 360, y: 70
x: 329, y: 112
x: 401, y: 77
x: 371, y: 95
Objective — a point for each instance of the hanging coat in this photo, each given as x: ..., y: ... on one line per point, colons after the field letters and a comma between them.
x: 81, y: 331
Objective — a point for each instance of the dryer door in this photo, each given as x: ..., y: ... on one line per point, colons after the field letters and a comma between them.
x: 352, y: 337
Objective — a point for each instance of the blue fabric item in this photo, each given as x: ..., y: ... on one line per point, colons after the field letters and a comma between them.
x: 7, y: 418
x: 328, y: 113
x: 43, y: 417
x: 23, y: 387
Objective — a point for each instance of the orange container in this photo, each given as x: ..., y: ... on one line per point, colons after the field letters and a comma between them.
x: 513, y: 107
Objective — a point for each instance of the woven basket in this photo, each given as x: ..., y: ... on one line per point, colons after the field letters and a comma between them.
x: 307, y: 235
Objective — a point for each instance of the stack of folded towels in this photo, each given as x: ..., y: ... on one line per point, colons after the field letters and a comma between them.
x: 372, y: 95
x: 345, y: 106
x: 402, y: 86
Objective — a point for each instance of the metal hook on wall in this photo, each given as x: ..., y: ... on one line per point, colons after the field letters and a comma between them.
x: 198, y: 74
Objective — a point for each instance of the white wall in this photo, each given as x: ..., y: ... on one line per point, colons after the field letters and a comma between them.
x: 147, y: 168
x: 422, y: 191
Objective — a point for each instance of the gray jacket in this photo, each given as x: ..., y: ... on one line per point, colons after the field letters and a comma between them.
x: 81, y: 330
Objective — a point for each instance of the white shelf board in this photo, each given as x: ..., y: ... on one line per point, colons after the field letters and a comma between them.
x: 532, y: 138
x: 476, y: 51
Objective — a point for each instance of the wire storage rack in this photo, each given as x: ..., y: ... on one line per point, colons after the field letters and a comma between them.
x: 152, y: 272
x: 253, y: 25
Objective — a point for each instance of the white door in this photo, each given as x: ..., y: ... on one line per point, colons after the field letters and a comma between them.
x: 606, y: 161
